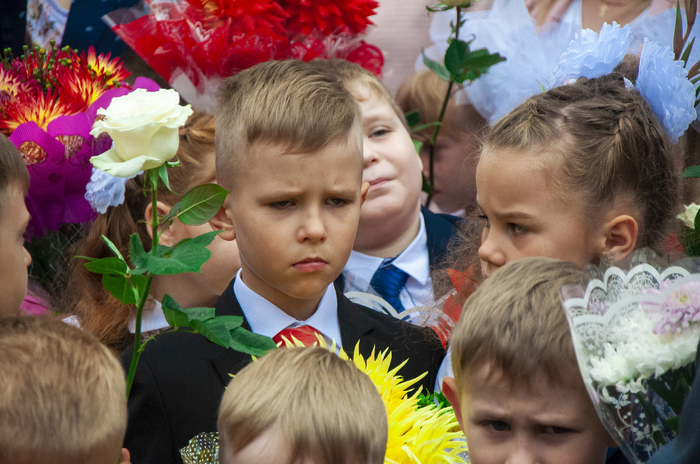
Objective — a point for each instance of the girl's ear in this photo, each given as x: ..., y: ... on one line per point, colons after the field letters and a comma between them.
x: 620, y: 235
x: 221, y: 221
x: 168, y: 236
x: 449, y: 389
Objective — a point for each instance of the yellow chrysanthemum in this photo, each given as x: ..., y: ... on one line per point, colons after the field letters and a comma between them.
x: 417, y: 435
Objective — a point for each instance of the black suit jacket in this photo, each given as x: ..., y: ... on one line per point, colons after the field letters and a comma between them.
x: 181, y: 376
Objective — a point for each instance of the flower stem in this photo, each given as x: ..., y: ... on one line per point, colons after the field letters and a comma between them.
x: 138, y: 348
x: 433, y: 140
x: 657, y: 436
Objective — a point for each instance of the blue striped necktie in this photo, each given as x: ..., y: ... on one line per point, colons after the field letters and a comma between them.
x: 388, y: 281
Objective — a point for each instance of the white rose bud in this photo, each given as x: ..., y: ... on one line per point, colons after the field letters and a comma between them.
x: 688, y: 216
x: 144, y: 130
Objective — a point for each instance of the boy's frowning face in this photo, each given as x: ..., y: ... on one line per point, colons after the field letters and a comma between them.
x: 13, y: 256
x: 295, y: 218
x: 391, y: 165
x: 542, y: 423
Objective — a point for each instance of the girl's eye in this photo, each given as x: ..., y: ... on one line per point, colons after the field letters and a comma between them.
x: 554, y: 430
x: 484, y: 218
x: 498, y: 426
x: 517, y: 229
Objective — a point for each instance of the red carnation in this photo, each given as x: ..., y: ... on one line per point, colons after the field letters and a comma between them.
x: 329, y: 16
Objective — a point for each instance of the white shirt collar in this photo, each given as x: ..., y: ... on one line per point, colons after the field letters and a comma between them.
x: 414, y: 260
x: 153, y: 319
x: 267, y: 319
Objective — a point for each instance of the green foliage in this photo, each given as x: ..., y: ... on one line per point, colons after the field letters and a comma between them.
x: 433, y: 399
x: 187, y: 255
x: 201, y: 203
x: 111, y: 265
x: 692, y: 172
x: 464, y: 64
x: 437, y: 68
x: 222, y: 330
x: 412, y: 118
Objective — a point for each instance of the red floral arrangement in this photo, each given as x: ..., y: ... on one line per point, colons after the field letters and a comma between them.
x: 464, y: 284
x: 48, y: 102
x: 193, y: 44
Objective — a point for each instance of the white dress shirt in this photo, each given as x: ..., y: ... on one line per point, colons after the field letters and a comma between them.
x: 414, y: 261
x: 267, y: 319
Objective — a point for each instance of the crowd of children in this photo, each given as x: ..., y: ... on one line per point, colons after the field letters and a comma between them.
x: 324, y: 232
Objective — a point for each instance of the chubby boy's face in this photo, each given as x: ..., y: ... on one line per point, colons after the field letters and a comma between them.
x: 391, y: 165
x: 295, y: 217
x: 13, y: 256
x: 542, y: 423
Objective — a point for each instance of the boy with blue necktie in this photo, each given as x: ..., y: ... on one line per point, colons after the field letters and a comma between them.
x: 289, y: 150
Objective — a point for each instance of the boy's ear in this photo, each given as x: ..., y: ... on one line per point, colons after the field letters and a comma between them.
x: 620, y: 237
x: 449, y: 389
x: 364, y: 188
x: 222, y: 222
x: 167, y: 236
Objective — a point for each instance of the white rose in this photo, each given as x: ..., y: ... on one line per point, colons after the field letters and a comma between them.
x: 688, y: 216
x: 144, y: 128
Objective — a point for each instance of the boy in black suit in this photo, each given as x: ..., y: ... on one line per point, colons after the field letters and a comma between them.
x: 288, y: 148
x: 398, y: 242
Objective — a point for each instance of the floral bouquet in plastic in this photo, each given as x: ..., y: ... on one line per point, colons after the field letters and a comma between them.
x: 48, y: 102
x: 194, y: 44
x: 636, y: 334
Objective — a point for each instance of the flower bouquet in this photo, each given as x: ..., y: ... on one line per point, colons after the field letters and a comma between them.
x: 48, y: 102
x: 194, y: 44
x: 636, y: 335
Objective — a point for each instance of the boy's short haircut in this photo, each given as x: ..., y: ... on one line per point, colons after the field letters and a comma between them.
x: 326, y: 408
x: 62, y: 394
x: 425, y: 91
x: 354, y: 77
x: 13, y: 170
x: 516, y: 325
x: 287, y: 103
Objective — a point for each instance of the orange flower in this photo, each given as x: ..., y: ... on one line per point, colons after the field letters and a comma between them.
x: 40, y: 107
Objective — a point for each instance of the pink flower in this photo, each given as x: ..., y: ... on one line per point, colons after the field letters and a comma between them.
x: 679, y: 309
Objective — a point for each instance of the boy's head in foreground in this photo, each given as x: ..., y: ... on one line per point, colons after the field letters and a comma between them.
x: 14, y: 182
x: 302, y: 406
x: 289, y: 150
x: 61, y: 397
x: 517, y: 390
x: 457, y: 147
x: 390, y: 217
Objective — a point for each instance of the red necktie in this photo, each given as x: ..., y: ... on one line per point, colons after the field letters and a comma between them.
x: 305, y: 334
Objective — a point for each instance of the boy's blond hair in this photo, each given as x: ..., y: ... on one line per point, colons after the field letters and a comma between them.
x: 285, y: 103
x: 424, y: 91
x: 356, y: 78
x: 326, y: 408
x: 515, y: 325
x: 62, y: 395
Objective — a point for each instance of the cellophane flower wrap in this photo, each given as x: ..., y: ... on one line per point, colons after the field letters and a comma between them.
x: 636, y: 330
x: 194, y: 44
x: 49, y: 99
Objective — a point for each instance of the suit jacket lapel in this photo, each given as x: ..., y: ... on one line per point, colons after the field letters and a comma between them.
x: 229, y: 361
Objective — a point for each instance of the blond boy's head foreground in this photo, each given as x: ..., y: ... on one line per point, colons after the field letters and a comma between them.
x: 302, y: 406
x: 289, y: 150
x: 517, y: 391
x: 61, y: 397
x: 14, y: 182
x: 390, y: 218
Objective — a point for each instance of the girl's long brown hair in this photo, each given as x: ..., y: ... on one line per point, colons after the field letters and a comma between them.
x: 97, y: 310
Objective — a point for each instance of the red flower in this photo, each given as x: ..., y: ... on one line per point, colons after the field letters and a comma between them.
x: 40, y: 107
x: 247, y: 16
x: 329, y: 16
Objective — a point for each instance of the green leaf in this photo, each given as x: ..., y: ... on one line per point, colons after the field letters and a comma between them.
x: 672, y: 423
x: 187, y: 256
x: 201, y: 204
x: 112, y: 247
x: 214, y: 330
x: 138, y: 284
x: 692, y: 171
x: 427, y: 188
x: 687, y: 51
x: 418, y: 145
x: 455, y: 57
x: 120, y: 287
x: 476, y: 63
x: 436, y: 67
x: 678, y: 32
x: 171, y: 214
x: 163, y: 174
x: 251, y: 343
x: 174, y: 313
x: 172, y: 164
x: 690, y: 14
x: 137, y: 254
x: 412, y: 118
x: 111, y: 265
x: 425, y: 126
x: 231, y: 322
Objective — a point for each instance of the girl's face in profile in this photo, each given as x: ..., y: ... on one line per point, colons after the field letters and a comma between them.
x: 526, y: 217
